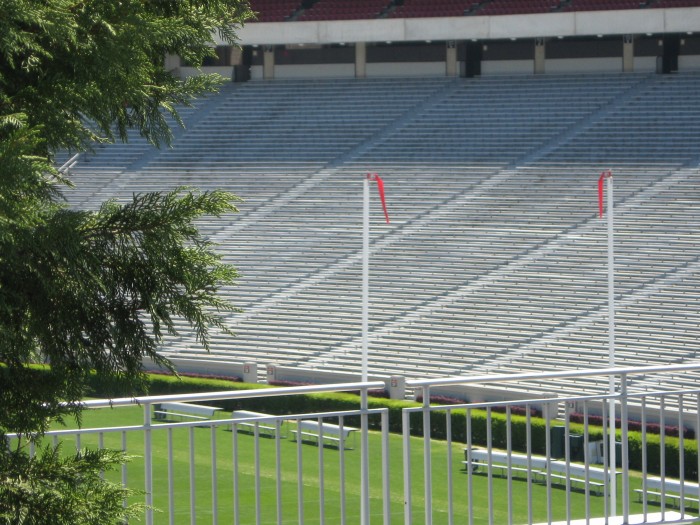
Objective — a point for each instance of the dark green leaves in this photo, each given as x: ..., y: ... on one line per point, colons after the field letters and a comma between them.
x: 93, y: 292
x: 66, y: 64
x: 100, y: 290
x: 60, y: 489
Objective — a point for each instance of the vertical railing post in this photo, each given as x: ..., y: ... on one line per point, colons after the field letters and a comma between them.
x: 489, y: 472
x: 427, y: 465
x: 470, y: 477
x: 386, y: 472
x: 193, y: 477
x: 407, y: 498
x: 662, y: 453
x: 587, y: 459
x: 214, y: 477
x: 509, y: 449
x: 171, y: 480
x: 148, y: 462
x: 450, y: 494
x: 548, y: 455
x: 644, y: 457
x: 681, y: 454
x: 364, y: 502
x: 624, y: 450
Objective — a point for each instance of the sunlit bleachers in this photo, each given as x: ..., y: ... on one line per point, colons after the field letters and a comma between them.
x: 495, y: 259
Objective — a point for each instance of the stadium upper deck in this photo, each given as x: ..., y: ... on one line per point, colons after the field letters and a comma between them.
x: 452, y: 38
x: 302, y: 10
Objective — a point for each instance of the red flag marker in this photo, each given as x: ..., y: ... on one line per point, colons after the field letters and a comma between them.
x: 601, y: 189
x: 380, y: 187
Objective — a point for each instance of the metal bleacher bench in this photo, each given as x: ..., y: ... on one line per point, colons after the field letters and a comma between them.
x: 265, y: 428
x: 654, y: 486
x: 558, y: 469
x: 183, y: 410
x: 308, y: 430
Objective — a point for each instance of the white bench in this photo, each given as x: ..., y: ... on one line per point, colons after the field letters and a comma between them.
x: 538, y: 465
x: 499, y: 460
x: 183, y: 410
x: 249, y: 426
x: 597, y: 476
x: 312, y: 430
x: 654, y: 492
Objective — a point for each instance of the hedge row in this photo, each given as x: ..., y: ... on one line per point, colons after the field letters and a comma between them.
x: 162, y: 384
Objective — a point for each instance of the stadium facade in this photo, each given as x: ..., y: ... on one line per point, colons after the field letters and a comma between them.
x: 625, y: 40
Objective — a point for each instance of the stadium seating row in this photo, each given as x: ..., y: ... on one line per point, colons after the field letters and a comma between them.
x: 495, y: 258
x: 295, y: 10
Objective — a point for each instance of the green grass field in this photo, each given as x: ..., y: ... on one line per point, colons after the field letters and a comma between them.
x: 312, y: 478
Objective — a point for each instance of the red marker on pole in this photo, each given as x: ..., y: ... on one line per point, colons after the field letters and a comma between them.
x: 601, y: 189
x: 380, y: 187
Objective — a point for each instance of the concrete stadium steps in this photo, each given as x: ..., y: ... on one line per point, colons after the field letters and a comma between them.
x: 305, y: 121
x: 472, y: 123
x: 657, y: 126
x: 494, y: 260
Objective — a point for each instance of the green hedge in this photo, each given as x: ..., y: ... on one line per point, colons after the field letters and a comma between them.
x: 163, y: 384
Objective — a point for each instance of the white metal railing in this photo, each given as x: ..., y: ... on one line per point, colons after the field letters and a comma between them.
x: 474, y: 466
x: 544, y: 469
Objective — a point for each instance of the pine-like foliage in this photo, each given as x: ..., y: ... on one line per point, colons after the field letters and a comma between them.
x: 93, y: 292
x: 67, y: 63
x: 62, y: 489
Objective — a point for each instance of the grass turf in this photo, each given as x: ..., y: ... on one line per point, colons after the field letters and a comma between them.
x: 319, y: 488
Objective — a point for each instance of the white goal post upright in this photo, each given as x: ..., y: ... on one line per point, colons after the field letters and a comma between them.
x: 605, y: 182
x: 364, y: 461
x: 370, y: 177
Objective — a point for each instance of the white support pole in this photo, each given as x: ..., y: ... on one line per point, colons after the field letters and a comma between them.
x: 365, y: 280
x: 364, y: 460
x: 611, y: 343
x: 148, y: 462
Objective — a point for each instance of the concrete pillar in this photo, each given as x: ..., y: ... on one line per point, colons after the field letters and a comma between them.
x: 628, y: 53
x: 396, y: 387
x: 235, y: 56
x: 451, y: 59
x: 271, y: 372
x: 360, y: 59
x: 539, y: 56
x: 268, y: 62
x: 250, y: 373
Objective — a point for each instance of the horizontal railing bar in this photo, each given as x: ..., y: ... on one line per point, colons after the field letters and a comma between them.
x: 308, y: 415
x: 498, y: 378
x: 659, y: 393
x: 233, y: 394
x: 536, y: 400
x: 81, y: 431
x: 511, y: 402
x: 210, y: 422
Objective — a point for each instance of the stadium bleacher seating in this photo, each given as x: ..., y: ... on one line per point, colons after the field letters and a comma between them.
x: 295, y: 10
x: 513, y: 7
x: 674, y: 3
x: 602, y: 5
x: 495, y: 258
x: 422, y: 8
x: 274, y: 10
x: 344, y: 10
